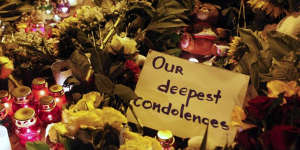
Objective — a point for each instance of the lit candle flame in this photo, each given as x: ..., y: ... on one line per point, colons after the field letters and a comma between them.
x: 42, y: 93
x: 6, y: 105
x: 57, y: 99
x: 64, y: 9
x: 193, y: 60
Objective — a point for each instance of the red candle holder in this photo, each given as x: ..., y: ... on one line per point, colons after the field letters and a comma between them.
x: 22, y: 98
x: 6, y: 100
x: 39, y: 89
x: 27, y: 126
x: 48, y: 111
x: 57, y: 92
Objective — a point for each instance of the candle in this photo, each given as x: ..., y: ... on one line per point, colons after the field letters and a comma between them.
x: 6, y: 100
x: 5, y: 143
x: 48, y: 111
x: 22, y: 98
x: 57, y: 92
x: 39, y: 89
x: 27, y: 126
x: 63, y: 8
x: 61, y: 70
x: 166, y: 139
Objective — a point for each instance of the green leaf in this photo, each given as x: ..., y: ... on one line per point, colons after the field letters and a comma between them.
x: 204, y: 140
x: 251, y: 40
x: 103, y: 84
x: 125, y: 93
x: 100, y: 61
x: 174, y: 51
x: 37, y: 146
x: 80, y: 64
x: 163, y: 25
x: 116, y: 70
x: 281, y: 44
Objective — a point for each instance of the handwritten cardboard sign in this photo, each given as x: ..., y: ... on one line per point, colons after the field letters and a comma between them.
x: 185, y: 97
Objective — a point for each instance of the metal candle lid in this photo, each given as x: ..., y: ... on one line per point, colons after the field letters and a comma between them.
x: 164, y: 134
x: 21, y: 93
x: 47, y: 103
x: 56, y: 90
x: 39, y: 83
x: 165, y: 137
x: 24, y: 114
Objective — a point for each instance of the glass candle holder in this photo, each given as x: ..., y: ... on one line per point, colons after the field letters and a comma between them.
x: 5, y: 143
x: 39, y: 89
x: 63, y: 8
x: 27, y: 126
x: 22, y: 98
x: 6, y: 100
x: 166, y: 139
x: 57, y: 92
x: 48, y: 111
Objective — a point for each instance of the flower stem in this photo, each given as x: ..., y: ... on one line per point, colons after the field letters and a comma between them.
x: 11, y: 78
x: 111, y: 32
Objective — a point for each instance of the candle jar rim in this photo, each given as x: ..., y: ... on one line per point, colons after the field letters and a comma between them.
x: 21, y: 92
x: 56, y: 88
x: 38, y: 81
x: 24, y: 114
x: 47, y: 103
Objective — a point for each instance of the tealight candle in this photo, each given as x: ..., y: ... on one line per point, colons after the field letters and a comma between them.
x: 5, y: 143
x: 39, y: 89
x: 63, y: 8
x: 27, y: 126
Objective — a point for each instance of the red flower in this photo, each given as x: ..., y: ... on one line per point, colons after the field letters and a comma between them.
x: 7, y: 67
x: 247, y: 139
x: 258, y: 107
x: 131, y: 65
x: 281, y: 137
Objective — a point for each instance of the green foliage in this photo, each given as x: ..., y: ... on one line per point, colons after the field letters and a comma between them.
x: 37, y: 146
x: 271, y: 57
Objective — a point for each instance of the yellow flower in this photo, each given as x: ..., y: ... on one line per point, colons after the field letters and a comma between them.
x: 234, y: 45
x: 91, y: 119
x: 277, y: 87
x: 56, y: 130
x: 268, y: 7
x: 238, y: 115
x: 88, y: 101
x: 7, y: 67
x: 134, y: 141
